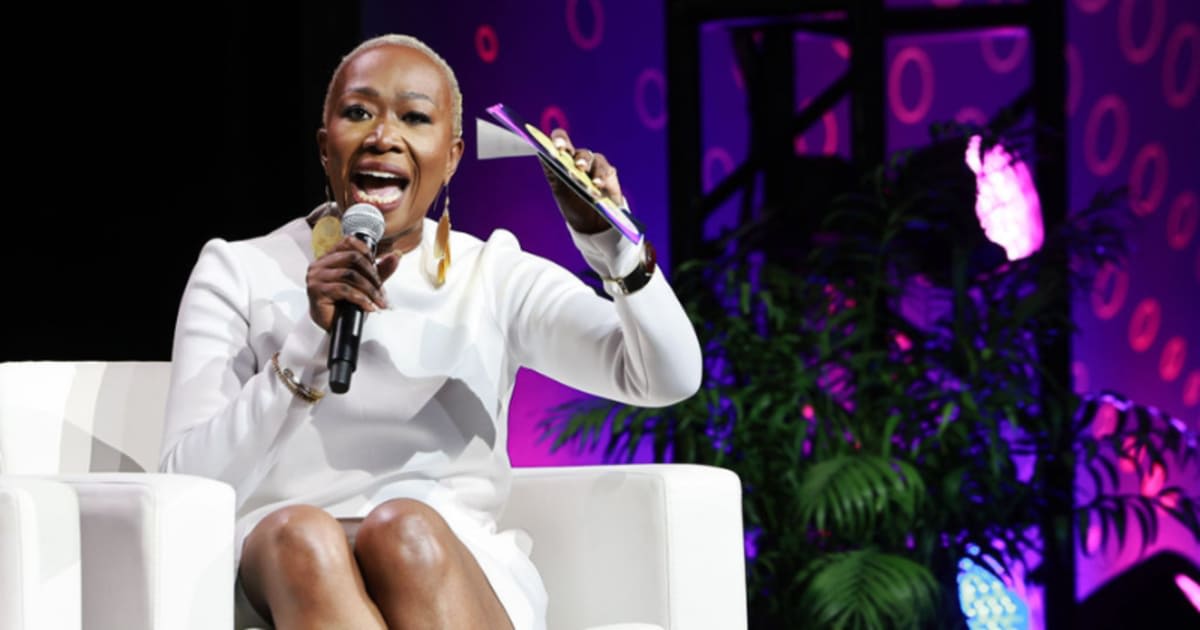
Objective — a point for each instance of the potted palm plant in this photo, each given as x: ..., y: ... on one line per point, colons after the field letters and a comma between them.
x: 880, y: 395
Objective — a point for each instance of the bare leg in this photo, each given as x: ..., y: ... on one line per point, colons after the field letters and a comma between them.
x: 298, y: 570
x: 419, y: 573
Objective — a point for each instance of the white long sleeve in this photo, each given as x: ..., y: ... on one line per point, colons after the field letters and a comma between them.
x: 427, y: 410
x: 639, y: 349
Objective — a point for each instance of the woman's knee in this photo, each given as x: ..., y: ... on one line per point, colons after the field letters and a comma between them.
x: 408, y: 534
x: 297, y: 534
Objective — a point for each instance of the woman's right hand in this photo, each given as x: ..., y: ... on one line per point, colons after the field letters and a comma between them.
x: 347, y: 272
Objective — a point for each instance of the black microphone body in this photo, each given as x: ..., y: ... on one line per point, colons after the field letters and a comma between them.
x: 364, y: 222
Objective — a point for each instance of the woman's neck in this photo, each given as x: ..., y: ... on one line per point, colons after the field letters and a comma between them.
x: 403, y: 242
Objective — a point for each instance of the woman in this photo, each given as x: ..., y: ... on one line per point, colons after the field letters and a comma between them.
x: 377, y: 508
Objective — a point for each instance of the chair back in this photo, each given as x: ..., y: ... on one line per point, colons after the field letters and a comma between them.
x: 63, y: 417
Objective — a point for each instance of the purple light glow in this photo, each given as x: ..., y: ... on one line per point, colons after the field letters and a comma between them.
x: 1006, y: 202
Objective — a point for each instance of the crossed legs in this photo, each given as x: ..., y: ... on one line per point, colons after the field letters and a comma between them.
x: 406, y: 571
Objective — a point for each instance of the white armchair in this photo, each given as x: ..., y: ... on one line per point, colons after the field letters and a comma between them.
x: 650, y: 544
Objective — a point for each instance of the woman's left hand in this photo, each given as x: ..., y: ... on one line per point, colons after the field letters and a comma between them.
x: 580, y: 214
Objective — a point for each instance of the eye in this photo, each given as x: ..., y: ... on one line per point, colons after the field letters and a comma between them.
x: 417, y: 118
x: 356, y: 112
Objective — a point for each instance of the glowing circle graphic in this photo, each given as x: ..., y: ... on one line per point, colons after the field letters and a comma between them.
x: 1109, y: 288
x: 1191, y: 389
x: 1140, y: 53
x: 1178, y: 96
x: 554, y: 117
x: 1090, y: 6
x: 651, y: 81
x: 829, y: 143
x: 1144, y: 201
x: 1174, y: 353
x: 1182, y: 220
x: 1143, y: 325
x: 916, y: 113
x: 1003, y: 64
x: 487, y: 45
x: 1109, y: 105
x: 590, y: 41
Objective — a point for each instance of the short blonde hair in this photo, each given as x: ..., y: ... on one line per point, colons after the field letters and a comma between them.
x: 456, y: 100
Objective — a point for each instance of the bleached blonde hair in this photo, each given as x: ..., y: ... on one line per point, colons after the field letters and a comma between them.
x: 456, y: 100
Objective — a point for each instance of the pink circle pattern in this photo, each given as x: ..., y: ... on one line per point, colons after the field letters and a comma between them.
x: 1174, y: 353
x: 902, y: 111
x: 1191, y: 389
x: 1179, y: 96
x: 1111, y: 105
x: 1090, y: 6
x: 554, y: 117
x: 1144, y: 324
x: 586, y: 42
x: 1108, y: 307
x: 993, y: 59
x: 829, y: 144
x: 647, y: 78
x: 1144, y: 201
x: 1182, y: 219
x: 487, y: 44
x: 1135, y: 53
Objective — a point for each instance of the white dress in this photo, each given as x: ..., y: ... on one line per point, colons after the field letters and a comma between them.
x: 426, y: 415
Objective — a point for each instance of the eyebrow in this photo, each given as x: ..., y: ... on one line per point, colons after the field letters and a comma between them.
x: 408, y: 96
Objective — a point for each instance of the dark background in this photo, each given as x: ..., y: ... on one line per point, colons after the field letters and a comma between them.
x: 137, y: 136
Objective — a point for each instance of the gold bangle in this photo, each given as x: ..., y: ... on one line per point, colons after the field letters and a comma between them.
x: 298, y: 389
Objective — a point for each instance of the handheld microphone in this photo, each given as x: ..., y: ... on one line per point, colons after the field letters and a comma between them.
x: 364, y: 222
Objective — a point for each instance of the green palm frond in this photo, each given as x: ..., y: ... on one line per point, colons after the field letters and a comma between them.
x: 867, y: 588
x: 851, y: 494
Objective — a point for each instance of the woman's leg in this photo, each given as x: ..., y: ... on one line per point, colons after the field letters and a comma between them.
x: 298, y: 571
x: 420, y: 574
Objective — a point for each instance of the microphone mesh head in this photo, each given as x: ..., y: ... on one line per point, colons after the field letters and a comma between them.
x: 363, y: 220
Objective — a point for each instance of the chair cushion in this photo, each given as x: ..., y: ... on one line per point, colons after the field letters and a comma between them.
x: 39, y: 555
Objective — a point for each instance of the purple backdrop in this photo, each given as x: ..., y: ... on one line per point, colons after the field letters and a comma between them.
x: 596, y: 68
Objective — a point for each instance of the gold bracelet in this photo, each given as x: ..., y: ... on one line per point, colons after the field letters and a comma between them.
x: 298, y: 389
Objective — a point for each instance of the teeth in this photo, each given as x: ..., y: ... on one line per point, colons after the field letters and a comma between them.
x: 376, y: 200
x: 380, y: 174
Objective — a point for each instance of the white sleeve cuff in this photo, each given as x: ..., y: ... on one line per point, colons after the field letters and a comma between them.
x: 305, y: 352
x: 608, y: 253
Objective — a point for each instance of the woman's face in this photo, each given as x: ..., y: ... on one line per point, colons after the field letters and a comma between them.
x: 388, y: 139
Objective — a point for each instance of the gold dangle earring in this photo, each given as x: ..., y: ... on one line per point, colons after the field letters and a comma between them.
x: 441, y: 245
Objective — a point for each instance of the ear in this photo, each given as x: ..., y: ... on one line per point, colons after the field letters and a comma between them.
x: 323, y: 148
x: 456, y: 153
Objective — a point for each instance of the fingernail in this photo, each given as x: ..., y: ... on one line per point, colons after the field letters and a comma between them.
x: 598, y: 181
x: 581, y: 162
x: 560, y: 143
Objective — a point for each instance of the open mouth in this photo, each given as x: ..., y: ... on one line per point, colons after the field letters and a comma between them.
x: 382, y: 189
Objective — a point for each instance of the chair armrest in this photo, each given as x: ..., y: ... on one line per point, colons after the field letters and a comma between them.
x: 646, y: 543
x: 39, y: 555
x: 157, y: 550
